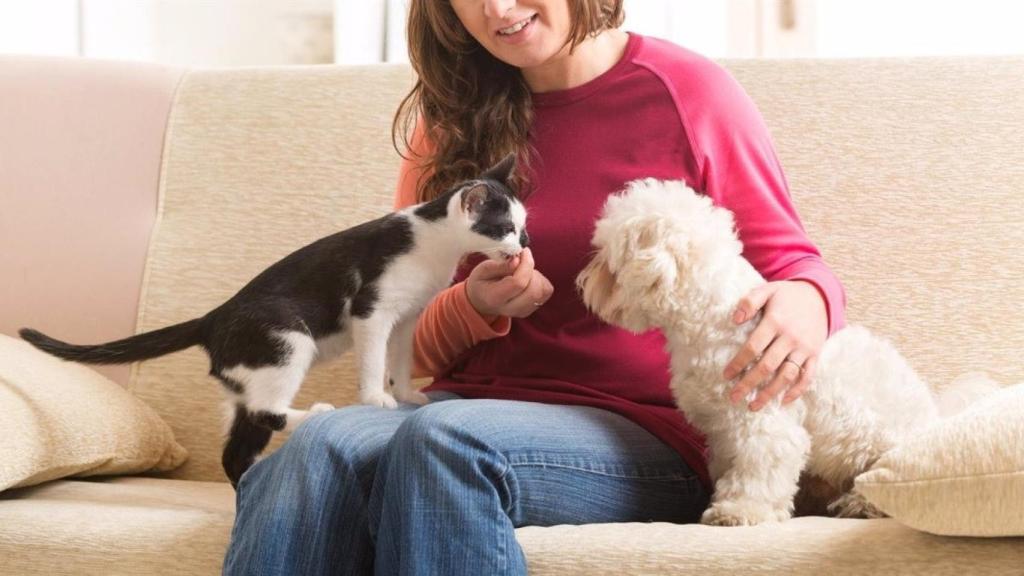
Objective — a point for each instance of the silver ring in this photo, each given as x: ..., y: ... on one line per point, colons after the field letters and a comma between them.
x: 794, y: 363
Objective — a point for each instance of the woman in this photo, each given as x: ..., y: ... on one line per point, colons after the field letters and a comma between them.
x: 542, y: 414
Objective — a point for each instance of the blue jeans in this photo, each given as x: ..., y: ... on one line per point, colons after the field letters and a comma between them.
x: 440, y: 489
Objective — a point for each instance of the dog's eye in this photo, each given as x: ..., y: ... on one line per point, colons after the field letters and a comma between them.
x: 509, y: 229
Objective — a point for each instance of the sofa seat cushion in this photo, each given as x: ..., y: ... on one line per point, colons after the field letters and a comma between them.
x: 810, y: 545
x: 131, y: 525
x: 118, y: 526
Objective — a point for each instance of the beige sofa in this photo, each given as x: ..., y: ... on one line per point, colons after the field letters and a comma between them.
x: 134, y: 196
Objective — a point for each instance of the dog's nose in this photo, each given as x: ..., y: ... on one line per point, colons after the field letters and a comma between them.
x: 524, y: 239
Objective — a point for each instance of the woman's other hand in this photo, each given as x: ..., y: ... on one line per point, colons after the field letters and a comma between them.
x: 785, y: 344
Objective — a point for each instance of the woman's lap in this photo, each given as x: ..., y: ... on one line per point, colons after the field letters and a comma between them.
x: 360, y: 478
x: 572, y: 464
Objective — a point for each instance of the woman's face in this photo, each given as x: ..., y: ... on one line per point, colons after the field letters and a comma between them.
x: 522, y: 33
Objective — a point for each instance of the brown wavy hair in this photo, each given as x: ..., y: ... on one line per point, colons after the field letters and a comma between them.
x: 475, y: 109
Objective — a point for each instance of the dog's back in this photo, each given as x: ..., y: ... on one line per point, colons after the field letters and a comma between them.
x: 863, y: 368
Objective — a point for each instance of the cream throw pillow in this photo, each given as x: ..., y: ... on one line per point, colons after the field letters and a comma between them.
x: 962, y: 477
x: 63, y: 419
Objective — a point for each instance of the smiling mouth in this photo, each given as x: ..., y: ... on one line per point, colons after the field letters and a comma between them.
x: 517, y: 26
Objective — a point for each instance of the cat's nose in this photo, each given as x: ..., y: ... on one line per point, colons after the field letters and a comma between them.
x: 524, y: 239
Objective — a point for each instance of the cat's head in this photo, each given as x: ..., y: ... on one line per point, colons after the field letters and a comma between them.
x: 488, y: 213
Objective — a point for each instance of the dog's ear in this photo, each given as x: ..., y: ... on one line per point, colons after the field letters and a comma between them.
x: 651, y: 262
x: 596, y: 284
x: 636, y: 236
x: 656, y: 273
x: 606, y: 297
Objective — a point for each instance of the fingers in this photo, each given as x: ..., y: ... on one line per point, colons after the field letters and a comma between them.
x: 523, y: 273
x: 762, y: 370
x: 494, y: 269
x: 513, y: 288
x: 760, y: 338
x: 753, y: 302
x: 778, y: 355
x: 508, y: 278
x: 787, y: 372
x: 533, y: 297
x: 755, y: 345
x: 805, y: 380
x: 486, y: 287
x: 525, y: 284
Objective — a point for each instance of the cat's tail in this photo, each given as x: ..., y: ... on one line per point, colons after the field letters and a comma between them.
x: 139, y: 347
x: 963, y: 391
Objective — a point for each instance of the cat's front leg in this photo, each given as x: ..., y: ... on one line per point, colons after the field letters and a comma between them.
x: 370, y: 343
x: 400, y: 358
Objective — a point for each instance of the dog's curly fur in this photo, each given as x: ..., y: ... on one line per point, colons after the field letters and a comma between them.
x: 667, y: 258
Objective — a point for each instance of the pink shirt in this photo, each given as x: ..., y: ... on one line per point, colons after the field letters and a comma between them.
x: 661, y: 111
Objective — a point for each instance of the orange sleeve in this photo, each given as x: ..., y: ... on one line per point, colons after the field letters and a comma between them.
x: 449, y: 325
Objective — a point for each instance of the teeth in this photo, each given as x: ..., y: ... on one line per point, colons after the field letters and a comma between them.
x: 515, y: 27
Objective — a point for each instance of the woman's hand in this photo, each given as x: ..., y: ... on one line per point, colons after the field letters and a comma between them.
x: 785, y: 344
x: 509, y: 288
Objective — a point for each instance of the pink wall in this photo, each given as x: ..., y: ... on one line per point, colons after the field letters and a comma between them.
x: 80, y: 150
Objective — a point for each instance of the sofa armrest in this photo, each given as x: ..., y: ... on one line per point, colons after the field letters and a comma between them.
x: 80, y: 155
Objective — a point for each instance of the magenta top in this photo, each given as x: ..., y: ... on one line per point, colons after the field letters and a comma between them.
x: 663, y: 112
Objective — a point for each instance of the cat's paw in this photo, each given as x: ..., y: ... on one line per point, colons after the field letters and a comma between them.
x: 412, y: 397
x: 321, y: 407
x: 742, y: 514
x: 380, y: 399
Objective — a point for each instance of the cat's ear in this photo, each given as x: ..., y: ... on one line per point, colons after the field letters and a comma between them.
x: 473, y: 198
x: 501, y: 171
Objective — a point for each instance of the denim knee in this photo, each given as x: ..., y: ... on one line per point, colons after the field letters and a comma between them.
x: 435, y: 422
x: 343, y: 441
x: 442, y: 474
x: 452, y: 430
x: 303, y: 510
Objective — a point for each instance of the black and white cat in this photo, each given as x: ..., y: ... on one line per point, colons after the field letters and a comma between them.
x: 362, y: 288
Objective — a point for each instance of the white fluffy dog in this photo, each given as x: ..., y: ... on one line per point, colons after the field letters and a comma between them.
x: 667, y: 258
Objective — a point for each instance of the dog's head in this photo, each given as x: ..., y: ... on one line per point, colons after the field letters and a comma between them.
x: 658, y: 246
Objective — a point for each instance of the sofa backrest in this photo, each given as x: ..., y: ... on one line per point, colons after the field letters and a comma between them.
x: 258, y: 162
x: 906, y: 173
x: 909, y: 174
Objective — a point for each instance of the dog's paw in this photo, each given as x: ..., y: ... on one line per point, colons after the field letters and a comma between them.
x: 742, y: 514
x: 380, y: 399
x: 854, y: 505
x: 321, y: 407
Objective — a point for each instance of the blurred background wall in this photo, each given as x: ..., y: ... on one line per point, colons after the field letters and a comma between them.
x: 262, y: 32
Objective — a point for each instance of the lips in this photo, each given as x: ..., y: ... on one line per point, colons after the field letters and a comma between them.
x: 517, y: 27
